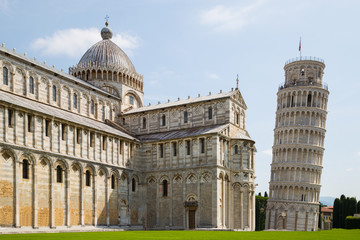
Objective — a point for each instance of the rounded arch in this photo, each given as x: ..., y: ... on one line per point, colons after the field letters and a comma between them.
x: 135, y: 95
x: 191, y: 197
x: 62, y: 163
x: 110, y: 88
x: 164, y: 177
x: 8, y: 152
x: 151, y: 180
x: 32, y: 160
x: 91, y: 168
x: 9, y: 66
x: 76, y: 166
x: 103, y: 171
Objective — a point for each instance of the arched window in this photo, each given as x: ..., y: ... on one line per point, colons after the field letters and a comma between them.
x: 188, y: 147
x: 87, y: 178
x: 25, y: 165
x: 31, y: 85
x: 202, y: 145
x: 58, y: 174
x: 237, y: 118
x: 144, y: 123
x: 165, y: 188
x: 75, y: 101
x: 210, y: 110
x: 92, y: 107
x: 131, y: 100
x: 302, y: 72
x: 133, y: 185
x: 236, y: 149
x: 54, y: 93
x: 5, y: 76
x: 163, y: 122
x: 185, y: 116
x: 174, y: 149
x: 161, y: 150
x: 113, y: 182
x: 309, y: 100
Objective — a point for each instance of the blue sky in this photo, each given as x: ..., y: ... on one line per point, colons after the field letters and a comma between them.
x: 188, y: 47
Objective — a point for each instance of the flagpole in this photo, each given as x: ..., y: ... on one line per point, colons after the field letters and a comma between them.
x: 300, y: 48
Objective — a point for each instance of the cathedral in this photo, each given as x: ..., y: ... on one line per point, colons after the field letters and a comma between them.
x: 81, y: 149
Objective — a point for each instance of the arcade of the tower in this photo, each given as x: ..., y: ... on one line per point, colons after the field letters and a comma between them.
x: 310, y: 73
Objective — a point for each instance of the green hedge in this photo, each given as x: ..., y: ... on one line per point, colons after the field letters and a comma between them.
x: 352, y: 222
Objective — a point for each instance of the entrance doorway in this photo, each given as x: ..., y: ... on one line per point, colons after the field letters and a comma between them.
x: 191, y: 219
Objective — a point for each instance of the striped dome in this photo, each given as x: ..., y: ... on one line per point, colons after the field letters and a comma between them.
x: 107, y: 54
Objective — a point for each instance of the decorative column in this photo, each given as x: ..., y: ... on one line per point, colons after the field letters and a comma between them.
x: 81, y: 196
x: 67, y: 196
x: 107, y: 200
x: 35, y: 204
x: 51, y: 202
x: 241, y: 209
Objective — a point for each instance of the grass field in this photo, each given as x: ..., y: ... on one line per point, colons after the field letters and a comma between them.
x: 177, y: 235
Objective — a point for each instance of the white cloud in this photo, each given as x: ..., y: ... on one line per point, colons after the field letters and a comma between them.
x: 224, y: 18
x: 349, y: 169
x: 213, y: 76
x: 267, y: 152
x: 74, y: 42
x: 358, y: 154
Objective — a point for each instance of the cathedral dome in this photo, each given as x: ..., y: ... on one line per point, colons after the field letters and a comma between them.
x: 106, y: 54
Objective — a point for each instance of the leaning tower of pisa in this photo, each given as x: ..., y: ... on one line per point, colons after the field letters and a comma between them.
x: 298, y: 147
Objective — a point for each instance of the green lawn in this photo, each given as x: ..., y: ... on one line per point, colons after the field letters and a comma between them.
x: 206, y: 235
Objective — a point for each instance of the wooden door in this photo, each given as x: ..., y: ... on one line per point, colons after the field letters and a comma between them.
x: 191, y: 219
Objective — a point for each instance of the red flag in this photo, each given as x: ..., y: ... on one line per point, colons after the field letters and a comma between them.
x: 300, y: 45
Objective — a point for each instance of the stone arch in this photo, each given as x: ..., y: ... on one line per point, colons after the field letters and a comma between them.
x: 164, y: 177
x: 62, y: 163
x: 191, y: 178
x: 151, y: 180
x: 124, y: 176
x: 177, y: 178
x: 191, y: 197
x: 9, y: 153
x: 135, y: 95
x: 104, y: 171
x: 9, y: 66
x: 31, y: 158
x: 91, y: 168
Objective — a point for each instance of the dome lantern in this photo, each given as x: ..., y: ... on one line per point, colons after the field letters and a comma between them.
x: 106, y: 32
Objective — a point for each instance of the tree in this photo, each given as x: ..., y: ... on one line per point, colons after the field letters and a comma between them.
x: 265, y: 194
x: 357, y: 207
x: 319, y: 222
x: 343, y: 207
x: 260, y: 212
x: 336, y: 213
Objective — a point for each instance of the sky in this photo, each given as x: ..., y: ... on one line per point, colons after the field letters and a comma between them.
x: 199, y: 46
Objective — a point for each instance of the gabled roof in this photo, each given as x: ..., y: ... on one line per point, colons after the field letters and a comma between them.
x: 182, y: 133
x: 55, y: 71
x: 191, y: 132
x: 185, y: 102
x: 51, y: 111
